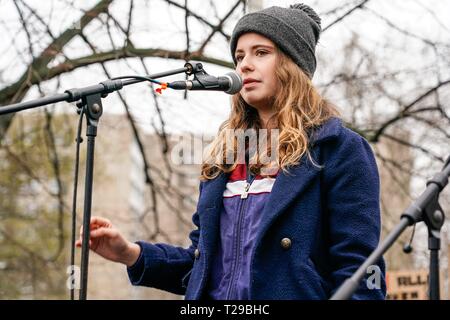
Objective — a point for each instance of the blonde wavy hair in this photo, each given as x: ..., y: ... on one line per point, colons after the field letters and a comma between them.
x: 299, y: 108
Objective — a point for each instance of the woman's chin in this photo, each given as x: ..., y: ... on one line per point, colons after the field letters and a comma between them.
x: 253, y: 100
x: 257, y: 103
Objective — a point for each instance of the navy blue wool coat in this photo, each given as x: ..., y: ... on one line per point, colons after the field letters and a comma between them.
x: 330, y: 214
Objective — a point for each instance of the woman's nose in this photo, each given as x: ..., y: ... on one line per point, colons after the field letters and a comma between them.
x: 245, y: 64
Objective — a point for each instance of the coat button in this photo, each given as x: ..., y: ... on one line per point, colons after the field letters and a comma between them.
x: 197, y: 253
x: 286, y: 243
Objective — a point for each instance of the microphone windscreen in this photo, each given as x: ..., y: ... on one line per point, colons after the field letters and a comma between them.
x: 236, y: 82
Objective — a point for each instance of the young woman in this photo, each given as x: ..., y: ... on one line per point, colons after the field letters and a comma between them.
x: 293, y: 229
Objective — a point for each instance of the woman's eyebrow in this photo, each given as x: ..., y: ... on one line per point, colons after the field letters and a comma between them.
x: 256, y: 46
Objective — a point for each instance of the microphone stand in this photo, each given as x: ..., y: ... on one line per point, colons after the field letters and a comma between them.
x: 427, y: 209
x: 91, y: 102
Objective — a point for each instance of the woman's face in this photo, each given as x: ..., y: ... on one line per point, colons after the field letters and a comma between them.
x: 256, y: 58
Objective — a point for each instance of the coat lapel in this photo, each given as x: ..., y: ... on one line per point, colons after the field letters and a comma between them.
x: 286, y: 189
x: 210, y: 208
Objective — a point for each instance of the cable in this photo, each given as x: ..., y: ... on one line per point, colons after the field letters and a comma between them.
x: 79, y: 140
x: 163, y: 85
x: 407, y: 248
x: 139, y: 77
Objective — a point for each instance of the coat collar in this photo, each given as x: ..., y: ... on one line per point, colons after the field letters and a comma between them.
x: 286, y: 188
x: 327, y: 131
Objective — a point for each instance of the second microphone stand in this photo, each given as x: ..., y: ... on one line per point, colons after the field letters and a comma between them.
x: 427, y: 209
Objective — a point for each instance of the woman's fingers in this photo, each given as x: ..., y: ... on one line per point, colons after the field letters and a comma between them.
x: 98, y: 233
x: 96, y: 223
x: 99, y: 227
x: 78, y: 243
x: 100, y: 222
x: 102, y: 232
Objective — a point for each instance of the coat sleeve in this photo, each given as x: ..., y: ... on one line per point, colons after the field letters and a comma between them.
x: 163, y: 266
x: 353, y: 206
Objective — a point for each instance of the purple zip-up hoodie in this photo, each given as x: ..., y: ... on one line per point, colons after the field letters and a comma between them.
x: 243, y: 202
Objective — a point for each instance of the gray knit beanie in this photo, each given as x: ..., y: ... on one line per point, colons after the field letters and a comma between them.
x: 295, y: 30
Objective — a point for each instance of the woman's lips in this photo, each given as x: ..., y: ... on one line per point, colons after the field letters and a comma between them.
x: 250, y: 83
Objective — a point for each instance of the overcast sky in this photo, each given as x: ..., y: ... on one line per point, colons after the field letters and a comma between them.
x: 157, y: 25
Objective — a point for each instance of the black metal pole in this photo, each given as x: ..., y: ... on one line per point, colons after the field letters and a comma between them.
x: 93, y: 105
x: 434, y: 246
x: 34, y: 103
x: 87, y: 217
x: 78, y: 93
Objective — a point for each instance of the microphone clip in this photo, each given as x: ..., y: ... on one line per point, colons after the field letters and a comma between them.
x: 200, y: 75
x: 194, y: 68
x: 230, y: 83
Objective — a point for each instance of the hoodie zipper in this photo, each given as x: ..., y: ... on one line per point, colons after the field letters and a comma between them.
x: 244, y: 196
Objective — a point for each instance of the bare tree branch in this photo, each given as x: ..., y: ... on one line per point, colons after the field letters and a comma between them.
x: 219, y: 26
x: 408, y: 144
x: 54, y: 159
x: 345, y: 15
x: 17, y: 91
x: 193, y: 14
x: 403, y: 113
x: 405, y: 32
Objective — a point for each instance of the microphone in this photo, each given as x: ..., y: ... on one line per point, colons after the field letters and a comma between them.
x: 231, y: 83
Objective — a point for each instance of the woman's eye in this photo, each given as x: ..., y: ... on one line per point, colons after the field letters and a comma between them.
x: 258, y: 53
